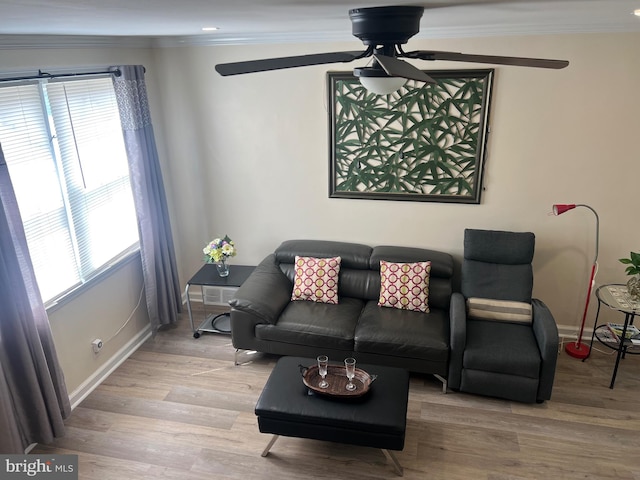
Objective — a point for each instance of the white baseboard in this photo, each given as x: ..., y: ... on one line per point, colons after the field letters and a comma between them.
x: 91, y: 383
x: 566, y: 331
x: 571, y: 332
x: 194, y: 297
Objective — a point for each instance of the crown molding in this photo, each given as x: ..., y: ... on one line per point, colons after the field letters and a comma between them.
x: 88, y: 41
x: 429, y: 33
x: 72, y: 41
x: 513, y: 30
x: 255, y: 39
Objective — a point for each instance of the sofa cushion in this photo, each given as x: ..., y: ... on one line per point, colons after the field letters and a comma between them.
x: 501, y: 348
x: 405, y: 285
x: 353, y: 255
x: 403, y: 333
x: 315, y: 324
x: 316, y: 279
x: 497, y: 265
x: 498, y: 310
x: 440, y: 286
x: 441, y: 263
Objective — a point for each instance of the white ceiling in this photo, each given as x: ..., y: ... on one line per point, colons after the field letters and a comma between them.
x: 265, y: 21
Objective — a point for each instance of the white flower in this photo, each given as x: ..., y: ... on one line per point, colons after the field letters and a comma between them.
x: 219, y: 249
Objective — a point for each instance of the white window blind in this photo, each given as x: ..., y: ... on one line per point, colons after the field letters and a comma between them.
x: 63, y: 145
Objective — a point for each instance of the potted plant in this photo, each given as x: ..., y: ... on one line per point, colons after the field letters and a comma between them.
x: 633, y: 269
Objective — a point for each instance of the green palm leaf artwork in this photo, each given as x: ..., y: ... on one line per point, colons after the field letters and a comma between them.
x: 425, y: 142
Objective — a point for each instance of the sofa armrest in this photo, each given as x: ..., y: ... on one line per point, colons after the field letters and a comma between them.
x: 265, y: 293
x: 458, y: 338
x: 546, y: 333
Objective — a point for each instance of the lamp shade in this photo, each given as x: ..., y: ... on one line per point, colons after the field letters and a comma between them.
x: 560, y: 208
x: 382, y: 85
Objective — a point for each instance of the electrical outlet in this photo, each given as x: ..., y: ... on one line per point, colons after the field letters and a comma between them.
x: 97, y: 345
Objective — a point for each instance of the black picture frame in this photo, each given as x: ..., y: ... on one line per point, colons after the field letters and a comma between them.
x: 424, y: 142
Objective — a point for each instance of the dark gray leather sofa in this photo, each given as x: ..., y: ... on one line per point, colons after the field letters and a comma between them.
x: 263, y: 317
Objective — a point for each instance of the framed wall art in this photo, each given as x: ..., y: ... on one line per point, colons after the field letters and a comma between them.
x: 425, y: 142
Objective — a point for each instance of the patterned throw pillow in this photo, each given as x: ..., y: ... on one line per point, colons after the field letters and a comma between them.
x: 316, y: 279
x: 499, y: 310
x: 405, y: 285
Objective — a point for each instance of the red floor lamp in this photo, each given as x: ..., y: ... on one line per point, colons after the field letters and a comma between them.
x: 579, y: 349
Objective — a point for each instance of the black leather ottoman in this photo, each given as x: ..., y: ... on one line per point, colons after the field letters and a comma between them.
x: 377, y: 420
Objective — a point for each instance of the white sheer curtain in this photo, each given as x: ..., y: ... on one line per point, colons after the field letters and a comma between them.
x: 161, y: 283
x: 33, y: 396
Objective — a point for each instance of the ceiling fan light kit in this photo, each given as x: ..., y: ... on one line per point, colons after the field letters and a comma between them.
x: 383, y: 30
x: 382, y: 85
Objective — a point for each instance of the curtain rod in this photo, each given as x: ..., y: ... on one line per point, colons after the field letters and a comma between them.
x: 42, y: 74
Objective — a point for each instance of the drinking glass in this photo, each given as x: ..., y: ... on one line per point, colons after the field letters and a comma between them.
x: 350, y: 366
x: 323, y: 361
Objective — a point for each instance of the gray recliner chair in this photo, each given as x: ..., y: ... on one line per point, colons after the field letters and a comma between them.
x: 499, y: 352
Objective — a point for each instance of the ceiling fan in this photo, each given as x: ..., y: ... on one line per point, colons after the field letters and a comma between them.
x: 383, y: 30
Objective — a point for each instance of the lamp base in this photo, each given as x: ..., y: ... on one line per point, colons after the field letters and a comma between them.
x: 577, y: 350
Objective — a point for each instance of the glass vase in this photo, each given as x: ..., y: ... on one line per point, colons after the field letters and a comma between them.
x: 223, y: 267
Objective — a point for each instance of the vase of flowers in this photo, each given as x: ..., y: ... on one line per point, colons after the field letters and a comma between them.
x: 633, y: 269
x: 218, y: 251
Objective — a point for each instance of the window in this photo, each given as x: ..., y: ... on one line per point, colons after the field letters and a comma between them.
x: 63, y: 144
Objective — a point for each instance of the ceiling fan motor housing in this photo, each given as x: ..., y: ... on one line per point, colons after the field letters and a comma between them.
x: 385, y: 25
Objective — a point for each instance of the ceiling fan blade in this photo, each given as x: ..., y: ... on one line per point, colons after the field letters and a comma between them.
x: 398, y: 68
x: 252, y: 66
x: 464, y: 57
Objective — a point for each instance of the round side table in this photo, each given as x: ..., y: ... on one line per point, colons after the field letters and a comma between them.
x: 616, y: 297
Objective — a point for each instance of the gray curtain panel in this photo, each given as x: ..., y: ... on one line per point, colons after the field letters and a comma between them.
x: 162, y: 288
x: 33, y: 396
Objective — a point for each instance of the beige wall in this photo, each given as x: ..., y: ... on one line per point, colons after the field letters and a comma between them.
x: 99, y: 311
x: 249, y: 158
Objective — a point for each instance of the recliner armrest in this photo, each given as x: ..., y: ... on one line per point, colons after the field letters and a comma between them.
x: 265, y: 293
x: 458, y: 338
x: 546, y: 333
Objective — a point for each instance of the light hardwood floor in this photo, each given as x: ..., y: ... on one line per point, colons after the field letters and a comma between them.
x: 179, y: 409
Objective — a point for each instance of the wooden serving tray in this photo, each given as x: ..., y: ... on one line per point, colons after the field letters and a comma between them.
x: 337, y: 379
